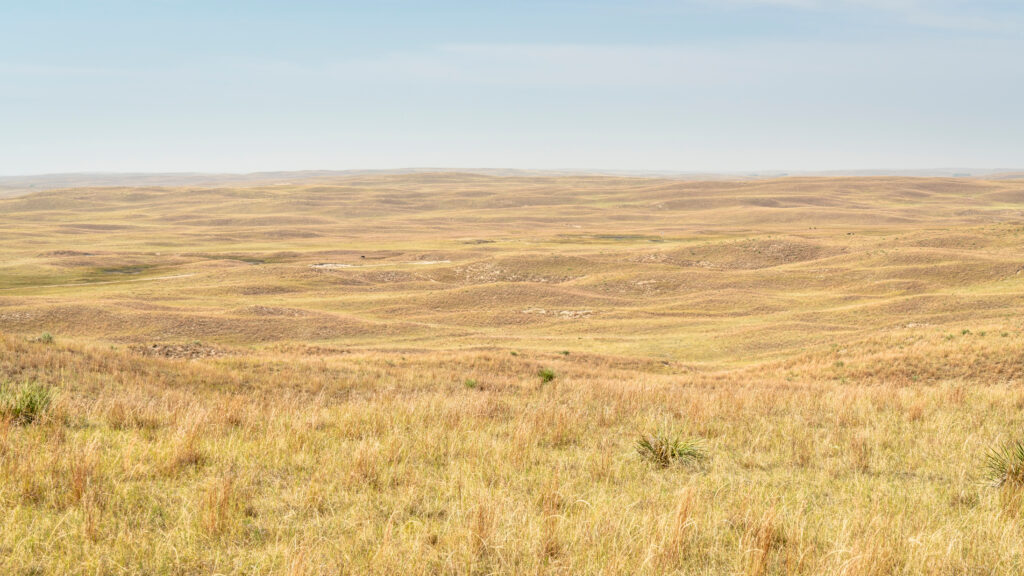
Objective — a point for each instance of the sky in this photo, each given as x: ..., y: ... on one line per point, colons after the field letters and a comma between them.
x: 684, y: 85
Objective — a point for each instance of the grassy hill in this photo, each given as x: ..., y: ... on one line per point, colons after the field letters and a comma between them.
x: 448, y: 373
x: 718, y: 272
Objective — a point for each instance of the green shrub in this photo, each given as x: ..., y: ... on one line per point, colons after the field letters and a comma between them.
x: 663, y: 449
x: 546, y: 374
x: 470, y: 383
x: 24, y: 403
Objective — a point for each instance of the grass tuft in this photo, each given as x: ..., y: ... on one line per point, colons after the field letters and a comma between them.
x: 23, y: 403
x: 663, y: 449
x: 546, y: 374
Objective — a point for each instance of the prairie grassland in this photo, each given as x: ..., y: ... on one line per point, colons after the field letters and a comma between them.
x: 346, y: 378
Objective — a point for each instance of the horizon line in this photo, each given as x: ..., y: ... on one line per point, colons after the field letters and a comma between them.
x: 937, y: 171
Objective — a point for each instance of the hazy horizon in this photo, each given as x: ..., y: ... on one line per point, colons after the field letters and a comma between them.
x: 962, y: 171
x: 734, y: 86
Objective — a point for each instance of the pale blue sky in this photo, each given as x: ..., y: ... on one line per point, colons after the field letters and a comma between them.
x: 689, y: 85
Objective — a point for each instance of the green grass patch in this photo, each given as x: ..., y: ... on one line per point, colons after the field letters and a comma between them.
x: 24, y: 403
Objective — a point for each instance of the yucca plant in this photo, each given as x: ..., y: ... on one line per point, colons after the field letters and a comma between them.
x: 23, y: 403
x: 1005, y: 466
x: 1005, y: 471
x: 663, y: 449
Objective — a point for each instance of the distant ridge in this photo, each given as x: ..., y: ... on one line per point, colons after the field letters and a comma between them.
x: 18, y: 185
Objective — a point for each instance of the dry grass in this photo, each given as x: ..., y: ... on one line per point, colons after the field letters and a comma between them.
x: 847, y: 388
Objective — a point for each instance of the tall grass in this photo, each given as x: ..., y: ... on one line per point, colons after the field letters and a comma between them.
x: 374, y: 463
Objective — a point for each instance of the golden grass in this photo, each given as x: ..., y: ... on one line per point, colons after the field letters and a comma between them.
x: 846, y: 352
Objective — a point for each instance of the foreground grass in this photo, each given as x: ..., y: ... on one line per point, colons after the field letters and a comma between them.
x: 373, y: 463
